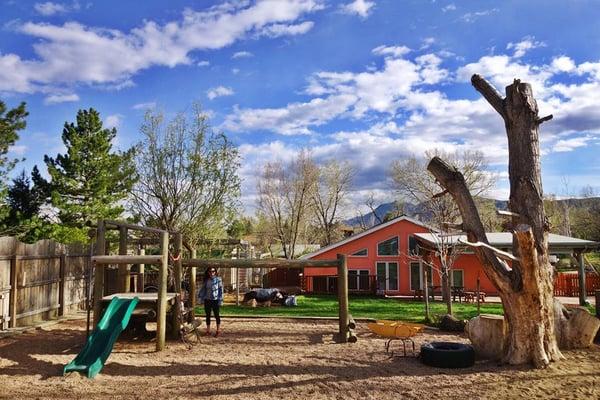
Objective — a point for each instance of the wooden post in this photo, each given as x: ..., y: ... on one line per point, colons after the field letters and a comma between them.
x: 582, y: 291
x: 478, y: 289
x: 426, y: 296
x: 161, y: 317
x: 123, y: 274
x: 237, y: 286
x: 99, y: 272
x: 61, y: 285
x: 141, y: 268
x: 14, y: 272
x: 176, y: 309
x: 343, y: 297
x: 193, y: 294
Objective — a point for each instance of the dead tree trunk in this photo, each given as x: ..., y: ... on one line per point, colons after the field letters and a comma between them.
x: 526, y: 286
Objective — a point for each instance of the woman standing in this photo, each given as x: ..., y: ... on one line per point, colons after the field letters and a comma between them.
x: 211, y: 294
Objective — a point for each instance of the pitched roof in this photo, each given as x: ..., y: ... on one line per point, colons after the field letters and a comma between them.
x: 504, y: 239
x: 365, y: 233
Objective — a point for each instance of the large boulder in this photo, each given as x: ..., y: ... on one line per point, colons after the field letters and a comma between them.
x: 487, y: 333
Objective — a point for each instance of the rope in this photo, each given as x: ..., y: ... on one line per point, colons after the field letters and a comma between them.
x: 176, y: 258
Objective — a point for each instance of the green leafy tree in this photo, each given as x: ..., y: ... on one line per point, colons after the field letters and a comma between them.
x: 11, y: 122
x: 91, y: 181
x: 188, y: 176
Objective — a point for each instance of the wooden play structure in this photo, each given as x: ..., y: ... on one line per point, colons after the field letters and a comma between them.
x: 166, y: 302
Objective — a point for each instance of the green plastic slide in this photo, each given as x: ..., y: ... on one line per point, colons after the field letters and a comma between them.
x: 100, y: 343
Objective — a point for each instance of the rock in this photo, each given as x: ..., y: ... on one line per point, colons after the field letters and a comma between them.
x: 449, y: 323
x: 487, y: 333
x: 576, y: 328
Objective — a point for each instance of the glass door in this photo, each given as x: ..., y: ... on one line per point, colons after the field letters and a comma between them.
x: 387, y: 276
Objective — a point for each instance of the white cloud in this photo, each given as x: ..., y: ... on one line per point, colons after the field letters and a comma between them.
x: 563, y: 64
x: 235, y: 71
x: 18, y: 150
x: 524, y: 46
x: 394, y: 51
x: 218, y: 91
x: 203, y: 63
x: 242, y: 54
x: 61, y: 98
x: 276, y: 30
x: 571, y: 144
x: 113, y: 121
x: 145, y: 106
x: 361, y: 8
x: 49, y: 8
x: 449, y: 7
x: 74, y: 53
x: 474, y: 16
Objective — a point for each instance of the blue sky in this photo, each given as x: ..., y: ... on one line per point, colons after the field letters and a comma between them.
x: 364, y: 81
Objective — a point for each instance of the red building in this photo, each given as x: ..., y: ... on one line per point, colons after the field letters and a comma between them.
x: 382, y: 259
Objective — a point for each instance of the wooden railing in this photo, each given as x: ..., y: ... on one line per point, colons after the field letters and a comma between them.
x: 567, y: 284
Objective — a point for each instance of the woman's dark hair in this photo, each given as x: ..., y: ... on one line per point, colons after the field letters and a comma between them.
x: 207, y: 273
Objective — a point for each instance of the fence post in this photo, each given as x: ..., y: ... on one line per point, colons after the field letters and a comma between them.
x: 14, y: 272
x: 99, y: 272
x: 343, y: 297
x: 141, y: 270
x: 61, y: 285
x: 161, y: 317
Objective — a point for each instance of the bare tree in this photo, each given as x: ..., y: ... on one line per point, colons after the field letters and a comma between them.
x: 188, y: 176
x: 526, y: 286
x: 327, y: 196
x: 412, y: 181
x: 284, y: 198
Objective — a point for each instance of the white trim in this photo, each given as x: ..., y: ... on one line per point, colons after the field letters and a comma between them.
x: 364, y: 248
x: 365, y: 233
x: 385, y: 240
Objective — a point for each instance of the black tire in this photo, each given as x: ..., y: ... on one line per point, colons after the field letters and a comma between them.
x: 447, y: 355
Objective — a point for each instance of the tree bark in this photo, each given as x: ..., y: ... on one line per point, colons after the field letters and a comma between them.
x: 525, y: 287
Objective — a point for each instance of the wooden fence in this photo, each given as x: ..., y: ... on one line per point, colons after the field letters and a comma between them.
x: 40, y: 281
x: 567, y: 284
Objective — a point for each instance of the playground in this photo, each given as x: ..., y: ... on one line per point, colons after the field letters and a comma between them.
x: 278, y: 359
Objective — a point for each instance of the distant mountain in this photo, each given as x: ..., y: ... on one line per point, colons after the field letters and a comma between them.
x: 418, y: 211
x: 378, y: 215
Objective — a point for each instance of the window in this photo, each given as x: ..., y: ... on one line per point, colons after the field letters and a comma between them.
x: 387, y: 276
x: 416, y: 275
x: 388, y: 247
x: 360, y: 253
x: 413, y: 247
x: 458, y: 278
x: 358, y: 279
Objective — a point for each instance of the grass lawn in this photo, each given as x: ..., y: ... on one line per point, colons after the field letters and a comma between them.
x: 361, y: 307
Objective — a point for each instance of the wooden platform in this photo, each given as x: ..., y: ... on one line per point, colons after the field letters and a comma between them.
x: 144, y: 297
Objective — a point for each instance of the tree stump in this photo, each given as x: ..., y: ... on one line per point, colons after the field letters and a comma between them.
x: 487, y: 334
x: 576, y: 328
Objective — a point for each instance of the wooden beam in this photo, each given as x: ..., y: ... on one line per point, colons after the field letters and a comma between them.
x: 118, y: 259
x: 99, y: 272
x: 177, y: 269
x: 161, y: 318
x: 133, y: 227
x: 343, y: 297
x: 265, y: 263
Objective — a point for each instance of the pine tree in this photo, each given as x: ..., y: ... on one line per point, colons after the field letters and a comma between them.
x: 91, y: 180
